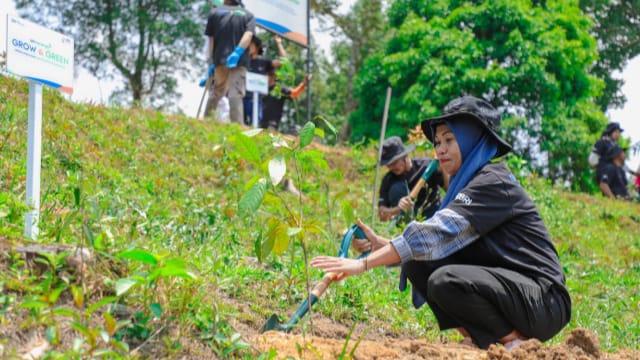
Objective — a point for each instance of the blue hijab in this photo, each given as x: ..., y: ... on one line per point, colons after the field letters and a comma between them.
x: 477, y: 147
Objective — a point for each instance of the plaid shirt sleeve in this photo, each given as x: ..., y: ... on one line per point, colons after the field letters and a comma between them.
x: 440, y: 236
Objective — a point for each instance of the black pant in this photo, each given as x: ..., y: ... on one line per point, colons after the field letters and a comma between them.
x: 489, y: 302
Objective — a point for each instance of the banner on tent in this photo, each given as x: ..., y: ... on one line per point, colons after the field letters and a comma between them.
x: 287, y: 18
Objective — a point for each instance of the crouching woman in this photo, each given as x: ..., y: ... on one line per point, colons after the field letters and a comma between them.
x: 484, y: 263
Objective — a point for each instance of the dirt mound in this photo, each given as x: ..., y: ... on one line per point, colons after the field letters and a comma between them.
x: 580, y: 344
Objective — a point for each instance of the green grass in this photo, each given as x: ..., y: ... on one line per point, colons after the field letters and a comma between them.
x: 117, y: 180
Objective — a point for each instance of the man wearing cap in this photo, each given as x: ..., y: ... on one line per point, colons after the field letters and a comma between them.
x: 229, y: 28
x: 404, y: 173
x: 611, y: 177
x: 607, y: 142
x: 484, y: 263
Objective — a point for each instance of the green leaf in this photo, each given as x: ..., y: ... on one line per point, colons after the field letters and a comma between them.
x: 110, y: 323
x: 123, y: 285
x: 35, y: 304
x: 172, y: 271
x: 52, y: 335
x: 251, y: 200
x: 98, y: 242
x: 81, y: 329
x: 293, y: 231
x: 55, y: 293
x: 306, y: 134
x: 281, y: 238
x: 88, y: 234
x: 328, y: 125
x: 267, y: 245
x: 139, y: 255
x: 247, y: 148
x: 100, y: 303
x: 347, y: 211
x: 156, y: 310
x: 257, y: 246
x: 76, y: 196
x: 277, y: 169
x: 65, y: 312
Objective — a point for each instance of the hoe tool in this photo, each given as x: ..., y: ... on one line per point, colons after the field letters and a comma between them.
x: 207, y: 85
x: 318, y: 289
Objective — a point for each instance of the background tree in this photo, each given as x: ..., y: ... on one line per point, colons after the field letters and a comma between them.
x: 618, y: 34
x: 147, y: 43
x: 358, y: 34
x: 531, y: 60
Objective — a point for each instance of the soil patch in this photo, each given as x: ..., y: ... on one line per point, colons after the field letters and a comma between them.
x: 580, y: 344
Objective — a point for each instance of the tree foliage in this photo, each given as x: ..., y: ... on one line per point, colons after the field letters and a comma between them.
x: 530, y: 59
x: 618, y: 34
x: 147, y: 43
x: 359, y: 33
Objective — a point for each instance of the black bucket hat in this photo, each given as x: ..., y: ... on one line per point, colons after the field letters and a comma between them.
x: 472, y: 108
x: 611, y: 127
x: 393, y: 149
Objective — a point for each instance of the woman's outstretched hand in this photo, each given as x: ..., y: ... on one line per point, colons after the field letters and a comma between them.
x: 344, y: 267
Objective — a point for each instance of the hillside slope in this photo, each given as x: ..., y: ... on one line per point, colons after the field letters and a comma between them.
x: 188, y: 254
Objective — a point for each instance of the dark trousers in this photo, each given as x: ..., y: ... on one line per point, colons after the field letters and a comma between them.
x: 247, y: 105
x: 489, y: 302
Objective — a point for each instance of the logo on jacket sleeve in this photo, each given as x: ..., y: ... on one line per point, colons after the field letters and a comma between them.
x: 464, y: 198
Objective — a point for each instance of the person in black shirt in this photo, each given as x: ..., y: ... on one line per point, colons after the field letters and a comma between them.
x: 404, y: 173
x: 611, y: 177
x: 273, y: 102
x: 229, y: 28
x: 262, y: 66
x: 484, y: 262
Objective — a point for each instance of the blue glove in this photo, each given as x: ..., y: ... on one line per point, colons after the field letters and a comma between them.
x: 232, y: 60
x: 212, y: 69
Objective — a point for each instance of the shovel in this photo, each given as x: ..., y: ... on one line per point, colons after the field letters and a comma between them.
x: 318, y: 289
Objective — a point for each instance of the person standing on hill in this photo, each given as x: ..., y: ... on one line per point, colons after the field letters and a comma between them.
x: 404, y: 173
x: 273, y: 103
x: 608, y: 139
x: 262, y: 66
x: 484, y: 262
x: 230, y: 29
x: 611, y: 176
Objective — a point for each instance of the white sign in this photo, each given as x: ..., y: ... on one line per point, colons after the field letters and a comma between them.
x: 285, y: 17
x: 39, y: 54
x: 257, y: 83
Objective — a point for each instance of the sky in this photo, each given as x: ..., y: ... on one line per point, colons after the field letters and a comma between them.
x: 88, y: 88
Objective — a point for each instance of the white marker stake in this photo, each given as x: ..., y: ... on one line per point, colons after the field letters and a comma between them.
x: 254, y: 116
x: 34, y: 152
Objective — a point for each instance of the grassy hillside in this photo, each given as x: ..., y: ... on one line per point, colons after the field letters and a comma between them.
x: 187, y: 241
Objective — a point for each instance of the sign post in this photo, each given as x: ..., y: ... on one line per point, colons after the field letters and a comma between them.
x: 44, y: 57
x: 258, y: 84
x: 34, y: 151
